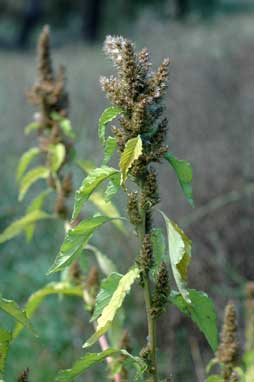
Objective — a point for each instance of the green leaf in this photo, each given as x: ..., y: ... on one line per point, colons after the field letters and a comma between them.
x: 36, y: 204
x: 248, y: 358
x: 179, y: 254
x: 30, y: 178
x: 116, y: 301
x: 12, y: 309
x: 241, y: 374
x: 31, y: 127
x: 109, y: 150
x: 91, y: 359
x: 106, y: 265
x: 25, y: 160
x: 18, y: 226
x: 108, y: 287
x: 54, y: 288
x: 107, y: 116
x: 90, y: 183
x: 214, y: 378
x: 116, y: 330
x: 183, y: 172
x: 56, y: 116
x: 85, y: 165
x: 65, y: 125
x: 213, y: 362
x: 132, y: 151
x: 108, y: 209
x: 113, y: 183
x: 80, y: 366
x: 75, y: 240
x: 159, y: 249
x: 57, y: 156
x: 113, y: 186
x: 5, y: 338
x: 201, y: 311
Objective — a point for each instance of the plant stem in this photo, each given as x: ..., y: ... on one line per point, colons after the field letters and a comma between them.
x: 151, y: 326
x: 151, y: 323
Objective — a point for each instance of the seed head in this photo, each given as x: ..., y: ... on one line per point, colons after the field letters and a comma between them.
x: 48, y: 91
x: 139, y: 92
x: 44, y: 69
x: 113, y: 48
x: 228, y: 348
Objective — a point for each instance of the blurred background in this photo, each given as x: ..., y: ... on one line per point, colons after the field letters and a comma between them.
x: 211, y: 115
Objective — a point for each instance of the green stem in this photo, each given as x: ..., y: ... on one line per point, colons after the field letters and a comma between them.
x: 151, y: 323
x: 151, y: 327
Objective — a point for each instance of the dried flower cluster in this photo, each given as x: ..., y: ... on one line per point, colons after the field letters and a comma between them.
x: 49, y: 94
x: 48, y: 91
x: 139, y: 92
x: 228, y: 350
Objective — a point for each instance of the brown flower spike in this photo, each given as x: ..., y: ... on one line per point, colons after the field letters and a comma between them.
x: 228, y: 350
x: 139, y: 92
x: 49, y: 94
